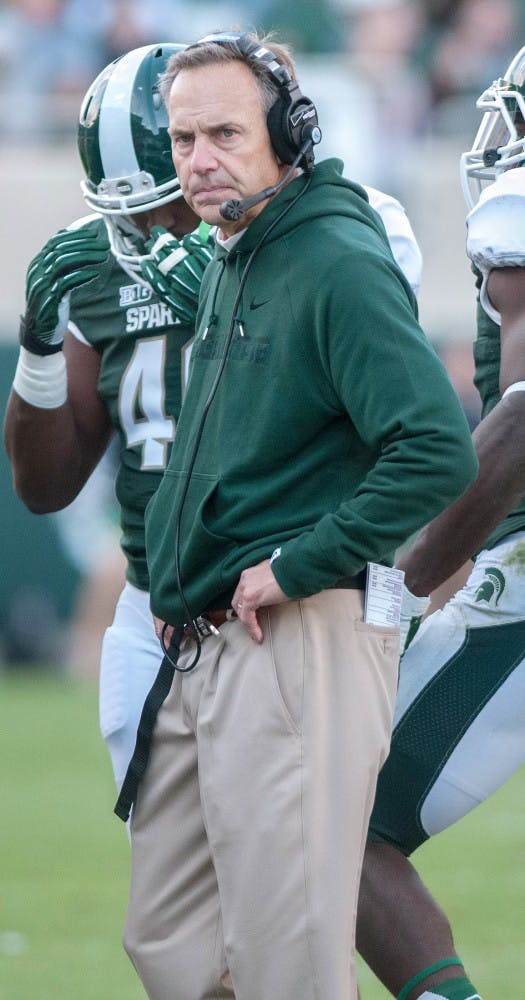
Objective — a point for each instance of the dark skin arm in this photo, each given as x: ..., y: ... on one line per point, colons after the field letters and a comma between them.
x: 53, y: 452
x: 452, y: 538
x: 400, y: 929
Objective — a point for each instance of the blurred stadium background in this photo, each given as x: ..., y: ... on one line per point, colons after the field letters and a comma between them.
x: 395, y: 84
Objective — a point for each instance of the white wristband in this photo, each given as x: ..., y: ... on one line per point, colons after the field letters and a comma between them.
x: 41, y: 380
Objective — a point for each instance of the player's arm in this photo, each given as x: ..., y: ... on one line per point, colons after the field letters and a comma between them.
x: 55, y: 426
x: 53, y: 451
x: 448, y: 541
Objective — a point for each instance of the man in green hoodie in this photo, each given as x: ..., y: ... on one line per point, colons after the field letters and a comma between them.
x: 318, y: 432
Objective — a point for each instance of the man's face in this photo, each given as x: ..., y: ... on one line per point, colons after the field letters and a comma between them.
x: 220, y: 142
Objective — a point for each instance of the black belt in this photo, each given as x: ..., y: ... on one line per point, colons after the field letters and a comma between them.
x: 357, y: 582
x: 217, y: 616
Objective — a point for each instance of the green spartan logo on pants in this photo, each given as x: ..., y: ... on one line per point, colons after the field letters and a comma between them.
x: 491, y: 588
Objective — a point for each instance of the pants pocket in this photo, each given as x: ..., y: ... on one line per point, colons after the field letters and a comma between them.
x: 287, y: 645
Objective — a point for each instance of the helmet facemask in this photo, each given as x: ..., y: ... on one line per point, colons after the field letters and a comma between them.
x: 500, y: 141
x: 126, y: 239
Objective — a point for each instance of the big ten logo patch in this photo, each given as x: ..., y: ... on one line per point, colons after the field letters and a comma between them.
x: 141, y: 313
x: 131, y: 294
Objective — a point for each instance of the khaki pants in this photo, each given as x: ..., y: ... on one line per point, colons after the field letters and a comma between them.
x: 249, y: 827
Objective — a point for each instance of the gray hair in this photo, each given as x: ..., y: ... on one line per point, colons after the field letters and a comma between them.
x: 227, y: 50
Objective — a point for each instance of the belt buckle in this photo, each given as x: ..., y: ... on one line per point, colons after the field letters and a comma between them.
x: 204, y: 626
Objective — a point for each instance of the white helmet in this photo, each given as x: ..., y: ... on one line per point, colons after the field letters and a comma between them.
x: 500, y: 140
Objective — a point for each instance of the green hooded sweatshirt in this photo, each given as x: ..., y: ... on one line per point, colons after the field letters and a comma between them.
x: 318, y: 422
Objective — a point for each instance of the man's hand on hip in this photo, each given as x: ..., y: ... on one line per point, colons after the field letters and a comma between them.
x: 257, y: 588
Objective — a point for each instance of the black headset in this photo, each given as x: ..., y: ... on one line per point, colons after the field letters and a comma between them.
x: 292, y: 119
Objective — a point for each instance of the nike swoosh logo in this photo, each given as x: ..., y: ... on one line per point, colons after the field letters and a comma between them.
x: 257, y: 305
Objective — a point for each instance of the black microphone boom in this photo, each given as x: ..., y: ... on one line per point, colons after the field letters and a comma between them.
x: 233, y: 209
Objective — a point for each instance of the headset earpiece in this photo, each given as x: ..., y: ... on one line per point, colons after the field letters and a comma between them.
x: 280, y: 139
x: 291, y: 120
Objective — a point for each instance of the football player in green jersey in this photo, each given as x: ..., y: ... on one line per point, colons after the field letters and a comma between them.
x: 97, y: 341
x: 458, y: 729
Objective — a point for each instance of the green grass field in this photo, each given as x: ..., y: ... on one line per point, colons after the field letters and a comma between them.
x: 65, y: 856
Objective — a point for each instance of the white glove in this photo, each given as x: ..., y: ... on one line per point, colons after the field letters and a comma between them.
x: 412, y: 610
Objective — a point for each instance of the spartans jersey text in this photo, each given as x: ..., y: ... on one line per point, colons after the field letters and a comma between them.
x: 149, y: 317
x: 141, y: 316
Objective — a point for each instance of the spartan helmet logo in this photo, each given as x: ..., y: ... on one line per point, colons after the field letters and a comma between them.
x: 492, y: 587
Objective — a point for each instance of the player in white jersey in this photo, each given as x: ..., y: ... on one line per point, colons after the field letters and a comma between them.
x: 400, y: 235
x: 123, y: 362
x: 459, y: 723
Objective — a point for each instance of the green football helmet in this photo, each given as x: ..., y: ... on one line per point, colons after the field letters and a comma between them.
x: 125, y: 148
x: 500, y: 140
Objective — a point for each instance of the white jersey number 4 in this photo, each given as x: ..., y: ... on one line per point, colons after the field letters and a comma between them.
x: 142, y: 403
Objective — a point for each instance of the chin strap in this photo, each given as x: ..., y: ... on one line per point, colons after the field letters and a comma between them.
x: 156, y: 697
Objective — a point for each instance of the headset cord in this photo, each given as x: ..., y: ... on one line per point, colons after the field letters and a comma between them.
x: 192, y: 626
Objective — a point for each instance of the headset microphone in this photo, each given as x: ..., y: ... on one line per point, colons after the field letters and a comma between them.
x: 233, y: 210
